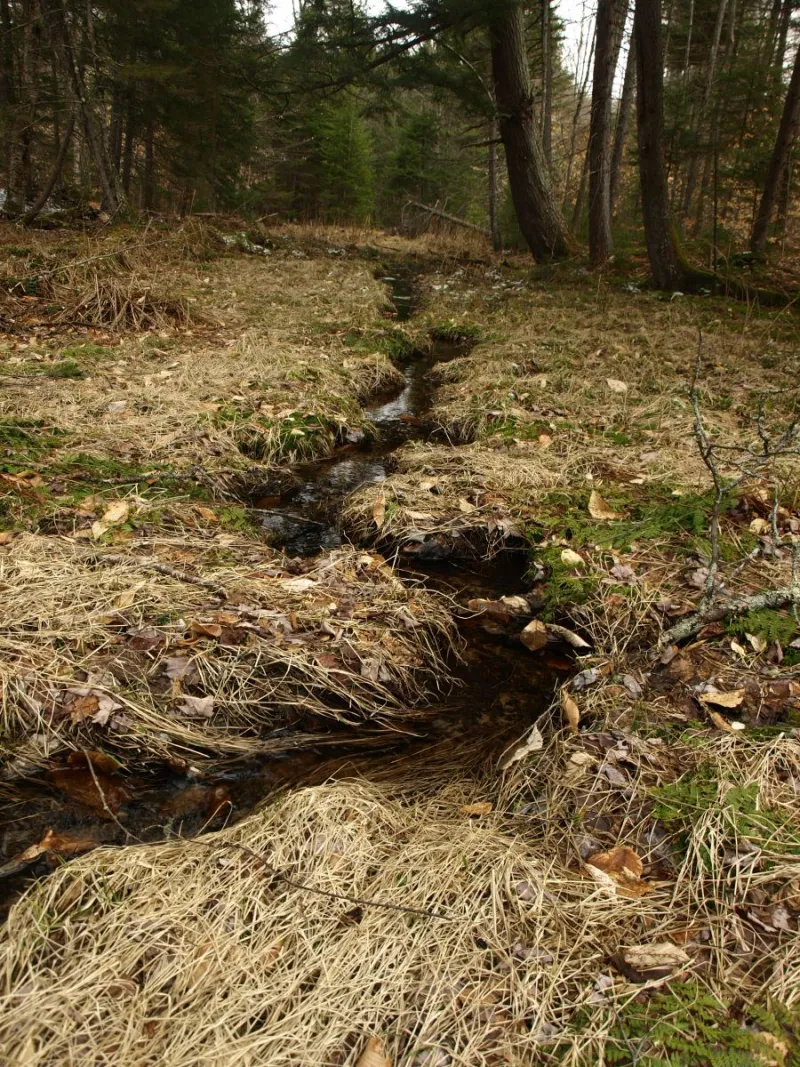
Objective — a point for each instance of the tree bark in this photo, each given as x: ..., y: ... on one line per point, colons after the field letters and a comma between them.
x: 780, y: 155
x: 610, y: 17
x: 540, y: 218
x: 577, y: 209
x: 127, y: 155
x: 494, y: 190
x: 623, y: 121
x: 547, y: 85
x: 659, y: 236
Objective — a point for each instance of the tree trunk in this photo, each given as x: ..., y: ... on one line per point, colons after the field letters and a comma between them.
x: 610, y: 16
x: 784, y: 200
x: 623, y: 120
x: 573, y: 141
x: 577, y: 209
x: 659, y: 237
x: 540, y: 219
x: 691, y: 178
x: 777, y: 165
x: 60, y: 36
x: 46, y: 193
x: 494, y: 190
x: 547, y: 85
x: 148, y: 185
x: 127, y: 155
x: 12, y: 149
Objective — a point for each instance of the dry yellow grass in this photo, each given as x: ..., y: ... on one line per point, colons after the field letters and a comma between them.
x: 344, y: 640
x: 267, y: 357
x: 212, y: 952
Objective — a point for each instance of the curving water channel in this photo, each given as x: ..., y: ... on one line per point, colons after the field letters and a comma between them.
x: 501, y: 687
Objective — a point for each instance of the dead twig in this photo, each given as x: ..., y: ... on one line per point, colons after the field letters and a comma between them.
x: 740, y: 605
x: 170, y: 572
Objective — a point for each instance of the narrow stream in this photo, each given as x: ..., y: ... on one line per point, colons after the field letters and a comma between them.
x: 501, y: 687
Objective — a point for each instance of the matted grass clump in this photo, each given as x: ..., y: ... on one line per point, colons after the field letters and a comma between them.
x: 510, y: 941
x: 123, y: 651
x: 249, y: 360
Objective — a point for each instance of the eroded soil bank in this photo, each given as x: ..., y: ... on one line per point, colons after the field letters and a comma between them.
x: 242, y: 552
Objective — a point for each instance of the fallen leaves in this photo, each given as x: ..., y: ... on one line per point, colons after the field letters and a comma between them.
x: 721, y: 723
x: 84, y: 704
x: 618, y: 872
x: 374, y: 1055
x: 533, y: 742
x: 534, y: 636
x: 652, y: 962
x: 181, y: 669
x: 477, y: 809
x: 570, y: 711
x: 197, y: 707
x: 616, y: 385
x: 731, y: 699
x: 115, y: 514
x: 379, y: 510
x: 571, y: 558
x: 599, y: 509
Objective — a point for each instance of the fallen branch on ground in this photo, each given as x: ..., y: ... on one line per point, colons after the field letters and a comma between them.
x: 738, y: 605
x: 170, y: 572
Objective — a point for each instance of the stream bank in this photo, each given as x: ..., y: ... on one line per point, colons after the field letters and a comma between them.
x: 496, y: 687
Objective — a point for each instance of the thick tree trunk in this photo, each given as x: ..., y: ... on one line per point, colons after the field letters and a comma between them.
x: 780, y: 155
x: 610, y: 18
x: 623, y: 121
x: 540, y: 219
x: 659, y: 237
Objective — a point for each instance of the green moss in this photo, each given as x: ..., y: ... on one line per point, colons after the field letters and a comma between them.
x: 563, y: 586
x: 86, y: 351
x: 680, y: 803
x: 392, y: 341
x: 296, y: 438
x: 66, y: 368
x: 461, y: 333
x: 652, y: 514
x: 240, y: 519
x: 23, y: 442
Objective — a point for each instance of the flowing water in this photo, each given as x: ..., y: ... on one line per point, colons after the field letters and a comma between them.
x: 501, y: 688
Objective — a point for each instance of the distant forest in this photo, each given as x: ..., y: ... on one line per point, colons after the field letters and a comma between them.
x: 676, y: 132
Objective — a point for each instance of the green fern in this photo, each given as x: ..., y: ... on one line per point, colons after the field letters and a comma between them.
x: 771, y: 625
x: 688, y: 1027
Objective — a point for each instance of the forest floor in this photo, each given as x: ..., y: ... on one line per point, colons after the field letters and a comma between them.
x: 618, y: 882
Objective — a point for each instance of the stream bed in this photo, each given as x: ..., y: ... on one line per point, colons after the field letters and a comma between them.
x: 500, y: 688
